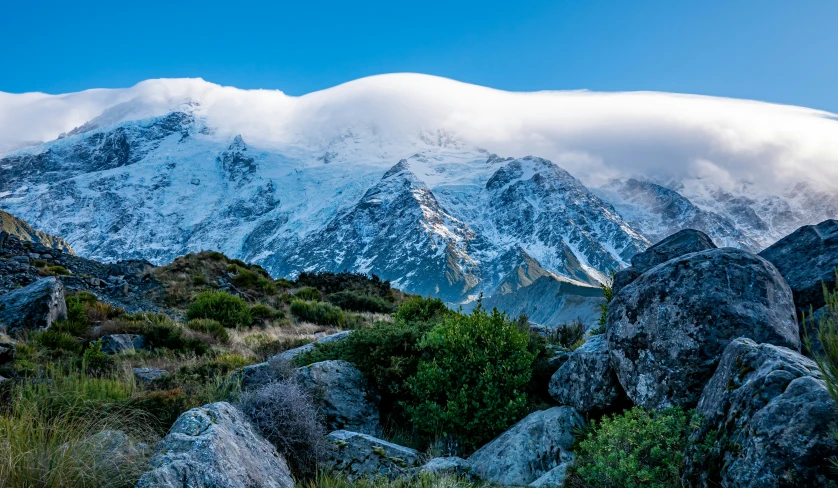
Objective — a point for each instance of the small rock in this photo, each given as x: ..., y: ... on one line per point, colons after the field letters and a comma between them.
x: 215, y: 446
x: 149, y: 375
x: 529, y: 449
x: 343, y: 395
x: 293, y: 353
x: 767, y: 419
x: 33, y: 307
x: 555, y: 477
x: 452, y: 466
x: 586, y: 380
x: 358, y: 455
x: 114, y: 343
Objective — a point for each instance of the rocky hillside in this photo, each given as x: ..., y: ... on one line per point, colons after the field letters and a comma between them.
x: 22, y: 230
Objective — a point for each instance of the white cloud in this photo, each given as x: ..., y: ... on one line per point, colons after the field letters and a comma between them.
x: 592, y: 135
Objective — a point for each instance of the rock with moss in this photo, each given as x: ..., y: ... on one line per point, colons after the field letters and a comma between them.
x: 357, y: 455
x: 586, y: 380
x: 343, y: 395
x: 667, y: 329
x: 33, y: 307
x: 765, y: 419
x: 215, y: 446
x: 530, y: 449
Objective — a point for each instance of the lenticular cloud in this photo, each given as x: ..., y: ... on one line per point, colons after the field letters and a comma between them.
x: 595, y: 136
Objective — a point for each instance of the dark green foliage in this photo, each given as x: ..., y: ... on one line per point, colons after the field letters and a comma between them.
x: 638, y: 448
x: 308, y: 294
x: 199, y: 280
x: 567, y: 335
x: 39, y: 263
x: 169, y: 336
x: 330, y: 283
x: 356, y: 302
x: 210, y: 327
x: 603, y: 308
x: 321, y: 313
x: 57, y: 340
x: 216, y: 256
x: 95, y: 362
x: 261, y: 312
x: 418, y: 309
x: 58, y: 270
x: 249, y: 280
x: 474, y: 387
x: 231, y: 311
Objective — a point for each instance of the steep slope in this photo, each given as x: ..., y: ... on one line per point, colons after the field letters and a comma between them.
x: 22, y: 230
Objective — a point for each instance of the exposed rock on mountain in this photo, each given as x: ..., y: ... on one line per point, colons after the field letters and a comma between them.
x: 529, y: 449
x: 667, y: 329
x: 215, y: 445
x: 767, y: 419
x: 23, y: 231
x: 33, y: 307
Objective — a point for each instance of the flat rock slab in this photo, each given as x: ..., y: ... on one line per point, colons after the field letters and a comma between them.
x: 358, y: 455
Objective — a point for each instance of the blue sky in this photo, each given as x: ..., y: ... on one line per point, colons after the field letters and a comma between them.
x: 775, y: 50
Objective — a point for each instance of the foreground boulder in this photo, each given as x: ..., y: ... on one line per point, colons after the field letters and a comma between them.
x: 586, y: 380
x: 215, y: 446
x: 529, y: 449
x: 807, y: 258
x: 343, y: 395
x: 676, y: 245
x: 357, y: 455
x: 33, y: 307
x: 667, y: 329
x: 767, y: 420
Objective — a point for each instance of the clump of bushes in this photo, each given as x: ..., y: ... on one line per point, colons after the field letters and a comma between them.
x: 261, y: 313
x: 309, y: 294
x: 287, y: 417
x: 320, y: 313
x: 417, y: 309
x: 638, y: 448
x: 211, y: 327
x: 229, y: 310
x: 250, y: 280
x: 474, y: 386
x: 357, y: 302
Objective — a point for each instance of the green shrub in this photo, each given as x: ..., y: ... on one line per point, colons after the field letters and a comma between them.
x: 199, y: 280
x: 229, y: 310
x: 261, y: 312
x: 308, y: 294
x: 608, y: 293
x: 321, y: 313
x: 170, y: 336
x: 58, y: 270
x: 57, y: 340
x: 475, y: 385
x: 638, y: 448
x: 216, y: 256
x: 210, y: 327
x: 95, y: 362
x: 418, y: 309
x: 39, y: 263
x: 350, y: 300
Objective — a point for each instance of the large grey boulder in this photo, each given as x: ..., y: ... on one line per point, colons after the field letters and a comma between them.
x: 529, y: 449
x: 682, y: 242
x: 586, y: 380
x: 343, y: 395
x: 767, y: 419
x: 115, y: 343
x: 357, y: 455
x: 667, y: 329
x: 291, y: 354
x: 215, y: 446
x: 33, y: 307
x: 807, y: 258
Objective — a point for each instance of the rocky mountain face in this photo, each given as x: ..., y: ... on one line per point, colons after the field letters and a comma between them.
x: 22, y: 230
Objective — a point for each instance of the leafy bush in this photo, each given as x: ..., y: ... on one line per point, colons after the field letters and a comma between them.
x: 58, y: 270
x: 250, y: 280
x: 570, y: 335
x: 418, y: 309
x: 638, y: 448
x: 57, y: 340
x: 261, y: 312
x: 210, y: 327
x: 321, y: 313
x: 170, y: 336
x: 229, y: 310
x: 475, y: 385
x: 608, y: 293
x: 330, y: 283
x: 95, y: 362
x: 350, y: 300
x: 308, y: 294
x: 286, y: 415
x: 825, y: 350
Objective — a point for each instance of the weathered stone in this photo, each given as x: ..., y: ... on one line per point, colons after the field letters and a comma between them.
x: 149, y: 375
x: 7, y: 352
x: 343, y: 395
x: 586, y: 380
x: 667, y: 330
x: 529, y: 449
x: 215, y: 446
x: 555, y: 477
x: 293, y: 353
x: 33, y: 307
x: 452, y: 466
x: 358, y: 455
x: 114, y: 343
x: 255, y: 376
x: 678, y: 244
x: 807, y: 258
x: 769, y: 421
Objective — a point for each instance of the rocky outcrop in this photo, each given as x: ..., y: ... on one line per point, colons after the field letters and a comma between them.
x: 149, y: 375
x: 33, y: 307
x: 291, y: 354
x: 215, y: 446
x: 554, y: 478
x: 807, y: 259
x: 357, y: 455
x: 767, y: 419
x: 676, y: 245
x: 586, y: 380
x: 114, y: 343
x: 343, y: 395
x: 23, y: 231
x: 452, y: 466
x: 529, y: 449
x: 667, y: 329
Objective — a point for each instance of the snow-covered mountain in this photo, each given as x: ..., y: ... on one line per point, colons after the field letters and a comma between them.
x: 439, y: 186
